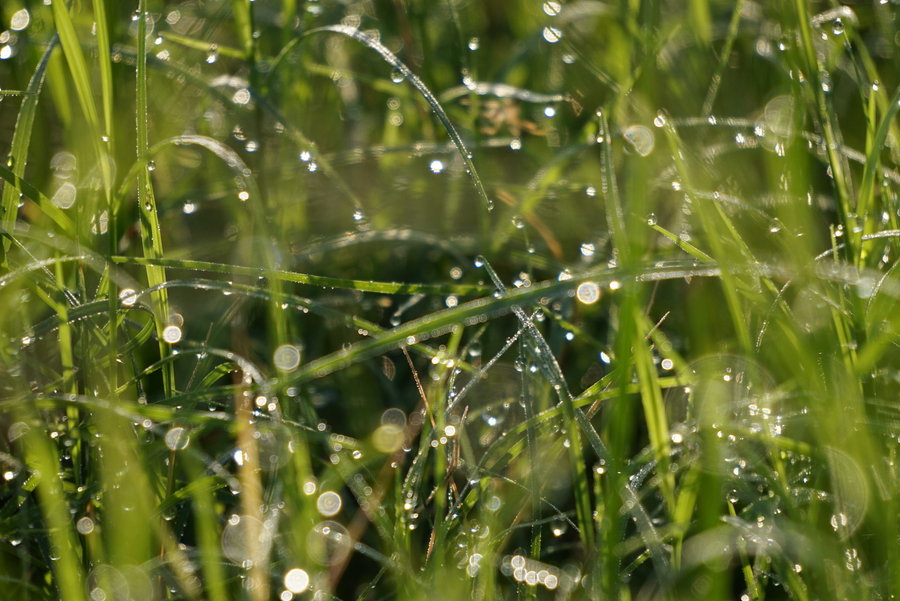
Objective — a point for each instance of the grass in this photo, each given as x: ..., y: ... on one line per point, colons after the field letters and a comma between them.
x: 289, y: 313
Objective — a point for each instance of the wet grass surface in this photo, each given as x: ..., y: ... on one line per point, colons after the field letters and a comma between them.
x: 484, y: 300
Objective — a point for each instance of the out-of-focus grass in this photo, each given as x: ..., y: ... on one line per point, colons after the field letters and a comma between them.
x: 494, y: 300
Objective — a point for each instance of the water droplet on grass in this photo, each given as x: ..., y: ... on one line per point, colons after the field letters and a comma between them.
x: 778, y: 115
x: 640, y: 138
x: 517, y: 222
x: 559, y: 527
x: 237, y: 543
x: 65, y: 195
x: 552, y: 35
x: 241, y: 97
x: 552, y: 8
x: 171, y: 334
x: 296, y: 580
x: 328, y: 543
x: 286, y: 357
x: 177, y: 439
x: 329, y: 503
x: 84, y: 526
x: 588, y: 293
x: 127, y: 296
x: 20, y: 20
x: 106, y: 583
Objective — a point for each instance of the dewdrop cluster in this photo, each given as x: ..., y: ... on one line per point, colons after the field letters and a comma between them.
x: 530, y: 571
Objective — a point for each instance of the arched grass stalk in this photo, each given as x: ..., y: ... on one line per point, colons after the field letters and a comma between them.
x: 429, y: 97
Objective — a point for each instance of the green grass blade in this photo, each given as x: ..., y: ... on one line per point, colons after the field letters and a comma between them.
x: 18, y: 154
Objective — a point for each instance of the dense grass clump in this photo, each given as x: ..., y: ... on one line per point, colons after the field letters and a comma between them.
x: 432, y: 299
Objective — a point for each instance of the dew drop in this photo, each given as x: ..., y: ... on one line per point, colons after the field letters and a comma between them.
x: 171, y: 334
x: 588, y: 293
x: 552, y: 35
x: 20, y: 20
x: 84, y: 526
x: 640, y: 138
x: 286, y: 357
x: 552, y: 8
x: 127, y: 296
x: 328, y: 543
x: 559, y: 527
x: 65, y: 195
x: 329, y: 503
x: 241, y: 97
x: 837, y: 28
x: 177, y: 439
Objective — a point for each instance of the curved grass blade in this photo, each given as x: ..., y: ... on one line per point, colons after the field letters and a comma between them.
x: 15, y: 182
x: 306, y: 279
x: 867, y: 186
x: 21, y: 139
x: 430, y: 98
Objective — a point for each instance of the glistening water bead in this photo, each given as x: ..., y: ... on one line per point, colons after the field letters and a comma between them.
x: 171, y: 334
x: 177, y: 439
x: 588, y: 293
x: 329, y: 503
x: 286, y: 357
x: 296, y: 581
